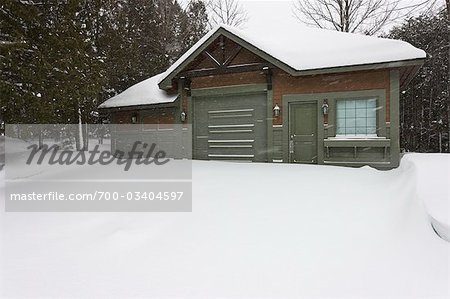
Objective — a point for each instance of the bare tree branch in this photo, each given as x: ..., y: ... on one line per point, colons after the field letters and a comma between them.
x: 364, y: 16
x: 228, y: 12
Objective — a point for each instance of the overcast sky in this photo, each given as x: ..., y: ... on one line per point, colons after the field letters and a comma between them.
x: 263, y: 13
x: 268, y: 12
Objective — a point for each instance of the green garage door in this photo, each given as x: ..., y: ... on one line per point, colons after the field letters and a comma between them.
x: 230, y: 127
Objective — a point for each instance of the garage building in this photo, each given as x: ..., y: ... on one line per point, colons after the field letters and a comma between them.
x: 322, y: 97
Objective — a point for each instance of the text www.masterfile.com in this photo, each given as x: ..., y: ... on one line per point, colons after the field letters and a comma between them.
x: 98, y: 196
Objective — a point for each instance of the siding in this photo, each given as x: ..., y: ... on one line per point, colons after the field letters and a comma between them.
x: 284, y: 84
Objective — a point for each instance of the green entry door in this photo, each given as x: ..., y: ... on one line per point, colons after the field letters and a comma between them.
x: 303, y: 133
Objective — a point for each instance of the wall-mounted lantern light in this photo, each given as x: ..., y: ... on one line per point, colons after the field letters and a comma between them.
x: 325, y: 107
x: 134, y: 118
x: 276, y: 110
x: 186, y: 82
x: 183, y: 116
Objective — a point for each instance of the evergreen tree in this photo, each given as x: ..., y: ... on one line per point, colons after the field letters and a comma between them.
x: 425, y: 102
x: 64, y: 58
x: 22, y: 60
x: 195, y: 25
x: 49, y: 62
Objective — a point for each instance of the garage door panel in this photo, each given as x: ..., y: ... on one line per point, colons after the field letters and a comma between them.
x: 231, y: 119
x: 228, y: 124
x: 230, y: 127
x: 231, y: 134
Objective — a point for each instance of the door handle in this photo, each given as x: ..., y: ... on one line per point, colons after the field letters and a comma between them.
x: 291, y: 146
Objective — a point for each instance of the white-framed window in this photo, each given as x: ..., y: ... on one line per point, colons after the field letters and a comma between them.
x: 356, y: 117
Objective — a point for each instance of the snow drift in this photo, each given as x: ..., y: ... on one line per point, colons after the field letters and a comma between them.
x: 256, y: 230
x: 433, y: 178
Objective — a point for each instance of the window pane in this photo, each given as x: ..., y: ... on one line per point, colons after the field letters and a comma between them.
x: 356, y: 117
x: 371, y: 130
x: 350, y: 104
x: 350, y: 113
x: 350, y: 131
x: 361, y: 104
x: 371, y: 103
x: 371, y: 122
x: 361, y: 122
x: 350, y: 122
x: 361, y: 131
x: 361, y: 112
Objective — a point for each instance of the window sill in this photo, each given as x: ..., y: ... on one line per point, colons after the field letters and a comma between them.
x: 357, y: 142
x: 355, y: 137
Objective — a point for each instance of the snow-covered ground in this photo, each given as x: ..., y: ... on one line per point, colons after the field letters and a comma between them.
x: 433, y: 188
x: 256, y: 230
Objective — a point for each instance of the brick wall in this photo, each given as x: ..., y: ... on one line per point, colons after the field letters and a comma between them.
x: 153, y: 116
x: 284, y: 84
x: 228, y: 80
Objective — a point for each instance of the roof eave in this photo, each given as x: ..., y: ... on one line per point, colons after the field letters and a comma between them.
x: 361, y: 67
x: 167, y: 81
x: 141, y: 106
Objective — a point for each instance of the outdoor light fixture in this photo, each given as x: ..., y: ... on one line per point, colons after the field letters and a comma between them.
x: 186, y: 84
x: 276, y: 110
x: 325, y: 107
x: 134, y: 118
x: 183, y: 116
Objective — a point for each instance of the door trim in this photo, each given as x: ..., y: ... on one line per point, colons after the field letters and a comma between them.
x: 229, y: 90
x: 299, y: 99
x: 291, y: 106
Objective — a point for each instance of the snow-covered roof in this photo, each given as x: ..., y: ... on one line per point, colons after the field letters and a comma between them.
x: 294, y: 47
x: 146, y: 92
x: 302, y: 48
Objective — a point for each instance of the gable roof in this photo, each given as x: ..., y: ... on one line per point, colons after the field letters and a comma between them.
x: 143, y: 93
x: 301, y: 50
